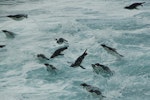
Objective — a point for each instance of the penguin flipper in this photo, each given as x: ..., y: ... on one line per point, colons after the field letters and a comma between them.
x: 61, y: 54
x: 82, y: 67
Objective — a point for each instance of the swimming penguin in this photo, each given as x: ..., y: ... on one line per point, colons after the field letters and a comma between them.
x: 58, y: 52
x: 95, y: 91
x: 111, y: 51
x: 50, y: 68
x: 61, y: 40
x: 42, y: 57
x: 134, y: 6
x: 88, y: 87
x: 18, y: 17
x: 1, y: 46
x: 9, y: 34
x: 79, y: 60
x: 102, y: 69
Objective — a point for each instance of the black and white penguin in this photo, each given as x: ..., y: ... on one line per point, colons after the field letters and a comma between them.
x: 102, y: 69
x: 134, y: 5
x: 61, y: 40
x: 50, y: 68
x: 2, y: 46
x: 18, y: 17
x: 95, y: 91
x: 42, y: 57
x: 79, y: 60
x: 111, y: 51
x: 58, y: 52
x: 9, y: 34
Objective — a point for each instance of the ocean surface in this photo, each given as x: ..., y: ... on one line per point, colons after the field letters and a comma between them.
x: 85, y: 24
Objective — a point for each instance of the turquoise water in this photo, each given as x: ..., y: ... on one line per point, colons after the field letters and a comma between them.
x: 85, y: 24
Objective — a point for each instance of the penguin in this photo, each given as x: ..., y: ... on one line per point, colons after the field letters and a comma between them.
x: 18, y: 17
x: 58, y: 52
x: 42, y: 57
x: 2, y: 46
x: 95, y: 91
x: 61, y: 40
x: 112, y: 51
x: 134, y: 5
x: 9, y: 34
x: 102, y: 69
x: 79, y: 60
x: 50, y: 68
x: 88, y: 87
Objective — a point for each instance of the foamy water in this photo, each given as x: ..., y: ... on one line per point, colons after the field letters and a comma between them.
x: 85, y: 24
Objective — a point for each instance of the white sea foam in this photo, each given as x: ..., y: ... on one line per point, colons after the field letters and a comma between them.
x: 85, y: 25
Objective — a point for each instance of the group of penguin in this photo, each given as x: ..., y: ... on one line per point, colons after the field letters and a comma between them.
x: 97, y: 67
x: 9, y: 34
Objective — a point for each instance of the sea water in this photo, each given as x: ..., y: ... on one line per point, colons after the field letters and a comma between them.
x: 85, y: 24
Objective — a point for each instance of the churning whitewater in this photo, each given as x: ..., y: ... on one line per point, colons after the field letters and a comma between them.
x: 74, y: 50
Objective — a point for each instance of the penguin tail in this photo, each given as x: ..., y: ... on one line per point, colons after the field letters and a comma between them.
x: 121, y: 55
x: 103, y: 96
x: 26, y: 16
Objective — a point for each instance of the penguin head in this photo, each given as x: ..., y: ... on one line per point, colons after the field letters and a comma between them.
x: 46, y: 64
x: 72, y: 65
x: 40, y: 55
x: 85, y: 52
x: 1, y: 46
x: 83, y: 84
x: 4, y: 30
x: 103, y: 45
x: 97, y: 64
x: 60, y: 40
